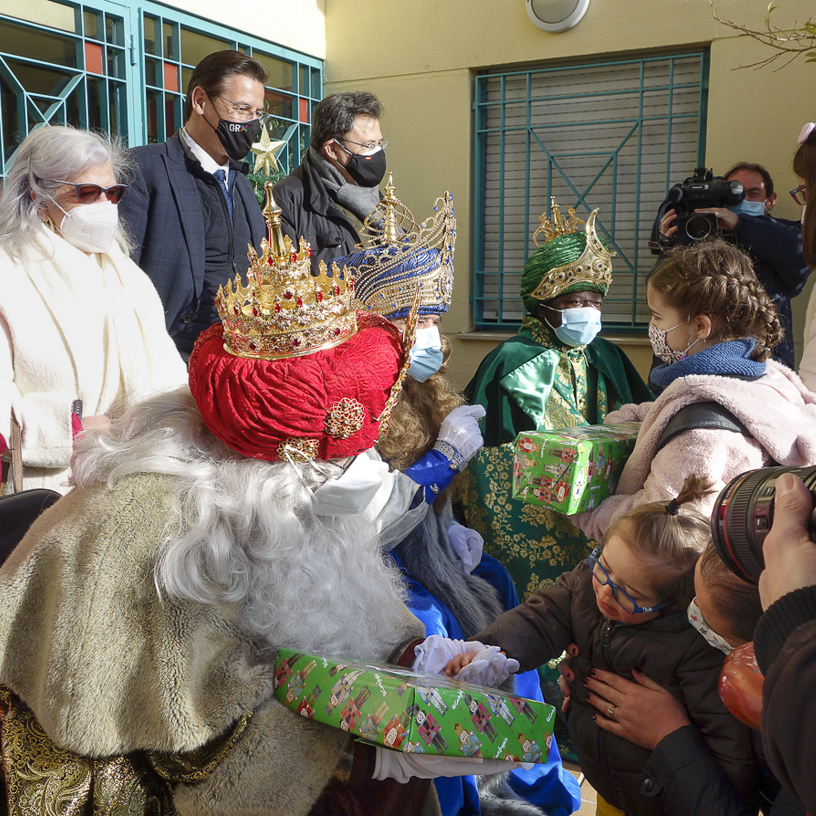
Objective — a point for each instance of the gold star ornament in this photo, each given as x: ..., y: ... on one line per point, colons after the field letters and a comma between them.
x: 264, y: 151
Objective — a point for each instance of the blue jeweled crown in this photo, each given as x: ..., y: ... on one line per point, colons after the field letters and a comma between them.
x: 397, y: 256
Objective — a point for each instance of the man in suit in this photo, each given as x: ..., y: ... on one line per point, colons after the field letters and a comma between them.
x: 189, y: 207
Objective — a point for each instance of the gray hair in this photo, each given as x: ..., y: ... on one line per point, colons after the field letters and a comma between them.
x: 244, y: 532
x: 49, y: 153
x: 334, y: 116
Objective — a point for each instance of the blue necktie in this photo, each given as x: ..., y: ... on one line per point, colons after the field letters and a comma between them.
x: 221, y: 177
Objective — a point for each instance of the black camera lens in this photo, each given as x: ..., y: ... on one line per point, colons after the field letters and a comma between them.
x: 700, y: 225
x: 743, y: 514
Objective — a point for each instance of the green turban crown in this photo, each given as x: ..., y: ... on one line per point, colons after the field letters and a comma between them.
x: 571, y: 260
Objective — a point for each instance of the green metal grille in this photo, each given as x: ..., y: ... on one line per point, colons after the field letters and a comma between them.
x: 613, y: 135
x: 124, y: 69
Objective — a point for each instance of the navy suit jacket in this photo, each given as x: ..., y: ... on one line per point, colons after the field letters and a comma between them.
x: 162, y: 212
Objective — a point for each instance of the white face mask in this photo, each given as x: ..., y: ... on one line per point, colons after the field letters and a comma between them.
x: 350, y: 493
x: 696, y: 619
x: 90, y: 227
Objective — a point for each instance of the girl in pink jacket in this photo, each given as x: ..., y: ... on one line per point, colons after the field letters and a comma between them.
x: 714, y: 327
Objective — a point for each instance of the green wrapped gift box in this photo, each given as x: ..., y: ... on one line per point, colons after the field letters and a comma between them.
x: 571, y: 469
x: 414, y: 712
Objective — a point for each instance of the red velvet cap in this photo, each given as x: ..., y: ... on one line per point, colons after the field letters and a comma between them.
x: 325, y: 403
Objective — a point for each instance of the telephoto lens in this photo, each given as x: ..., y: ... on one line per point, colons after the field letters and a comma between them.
x: 743, y: 514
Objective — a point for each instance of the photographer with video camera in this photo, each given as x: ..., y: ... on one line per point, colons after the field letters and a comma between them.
x: 739, y: 204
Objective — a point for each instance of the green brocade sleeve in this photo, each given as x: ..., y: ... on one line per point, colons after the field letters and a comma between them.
x: 530, y: 384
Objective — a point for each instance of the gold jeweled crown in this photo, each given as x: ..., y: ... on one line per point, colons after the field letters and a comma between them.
x: 284, y: 310
x: 593, y: 267
x: 397, y: 256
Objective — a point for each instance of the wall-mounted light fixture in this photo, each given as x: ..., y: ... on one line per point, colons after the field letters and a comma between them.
x: 556, y: 15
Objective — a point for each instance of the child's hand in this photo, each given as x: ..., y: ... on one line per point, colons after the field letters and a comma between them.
x: 458, y: 663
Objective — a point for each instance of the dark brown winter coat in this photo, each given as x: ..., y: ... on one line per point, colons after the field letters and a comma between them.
x: 666, y: 648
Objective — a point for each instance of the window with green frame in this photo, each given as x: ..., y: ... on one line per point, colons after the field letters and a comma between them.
x: 124, y: 69
x: 612, y: 135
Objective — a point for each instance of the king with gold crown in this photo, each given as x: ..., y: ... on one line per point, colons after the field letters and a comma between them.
x: 555, y: 373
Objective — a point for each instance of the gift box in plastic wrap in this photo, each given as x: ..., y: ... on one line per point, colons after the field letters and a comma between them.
x: 412, y: 711
x: 571, y: 469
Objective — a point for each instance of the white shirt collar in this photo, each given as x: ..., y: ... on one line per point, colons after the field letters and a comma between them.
x: 208, y: 163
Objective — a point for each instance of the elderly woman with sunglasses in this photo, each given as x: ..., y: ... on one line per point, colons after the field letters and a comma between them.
x: 82, y: 326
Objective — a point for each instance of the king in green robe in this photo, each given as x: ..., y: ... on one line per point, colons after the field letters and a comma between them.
x: 542, y: 379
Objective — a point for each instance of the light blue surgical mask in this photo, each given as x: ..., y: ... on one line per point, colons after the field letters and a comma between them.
x: 426, y: 355
x: 579, y: 327
x: 745, y: 207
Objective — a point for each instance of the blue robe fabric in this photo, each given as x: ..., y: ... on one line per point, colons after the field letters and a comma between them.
x: 548, y: 786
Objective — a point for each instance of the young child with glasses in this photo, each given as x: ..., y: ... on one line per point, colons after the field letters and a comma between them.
x: 625, y: 607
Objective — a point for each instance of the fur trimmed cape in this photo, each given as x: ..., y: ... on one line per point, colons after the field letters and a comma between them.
x: 107, y: 667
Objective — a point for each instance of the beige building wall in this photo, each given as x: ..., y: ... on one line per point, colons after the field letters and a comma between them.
x: 420, y: 57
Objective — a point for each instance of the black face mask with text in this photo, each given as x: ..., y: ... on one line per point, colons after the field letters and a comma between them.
x: 236, y: 137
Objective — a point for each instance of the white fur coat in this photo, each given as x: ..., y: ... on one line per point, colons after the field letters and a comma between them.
x: 75, y: 326
x: 777, y: 409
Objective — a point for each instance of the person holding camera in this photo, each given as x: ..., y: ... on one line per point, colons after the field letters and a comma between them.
x: 785, y: 640
x: 774, y: 244
x: 725, y: 408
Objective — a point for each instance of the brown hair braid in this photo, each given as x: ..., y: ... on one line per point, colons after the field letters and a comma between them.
x: 717, y: 279
x: 670, y: 535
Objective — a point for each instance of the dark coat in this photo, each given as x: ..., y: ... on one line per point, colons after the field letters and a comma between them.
x: 666, y: 648
x: 785, y: 646
x: 308, y: 212
x: 162, y: 212
x: 775, y: 244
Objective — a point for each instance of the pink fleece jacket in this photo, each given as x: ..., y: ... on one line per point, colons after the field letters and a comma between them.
x: 777, y: 409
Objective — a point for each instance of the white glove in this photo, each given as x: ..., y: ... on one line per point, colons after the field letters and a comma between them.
x: 467, y: 544
x: 436, y: 651
x: 489, y: 668
x: 460, y: 429
x: 391, y: 764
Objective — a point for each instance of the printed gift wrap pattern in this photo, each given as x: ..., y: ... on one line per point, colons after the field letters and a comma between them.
x: 414, y: 712
x: 571, y: 469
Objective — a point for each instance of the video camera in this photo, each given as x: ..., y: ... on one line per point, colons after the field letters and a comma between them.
x: 701, y: 191
x: 743, y: 514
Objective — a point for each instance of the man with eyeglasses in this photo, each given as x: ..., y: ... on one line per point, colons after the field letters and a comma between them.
x: 774, y: 244
x: 190, y: 208
x: 327, y: 199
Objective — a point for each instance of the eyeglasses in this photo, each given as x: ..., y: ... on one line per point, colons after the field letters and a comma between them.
x: 799, y: 194
x: 624, y: 599
x: 243, y: 111
x: 367, y: 145
x: 87, y: 193
x: 576, y: 303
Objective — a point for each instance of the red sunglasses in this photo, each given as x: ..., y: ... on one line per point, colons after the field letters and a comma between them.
x: 87, y: 193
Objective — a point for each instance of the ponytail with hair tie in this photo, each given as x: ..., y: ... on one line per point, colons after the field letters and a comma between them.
x: 673, y: 508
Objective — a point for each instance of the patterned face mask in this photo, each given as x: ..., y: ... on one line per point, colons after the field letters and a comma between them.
x: 661, y: 347
x: 696, y: 619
